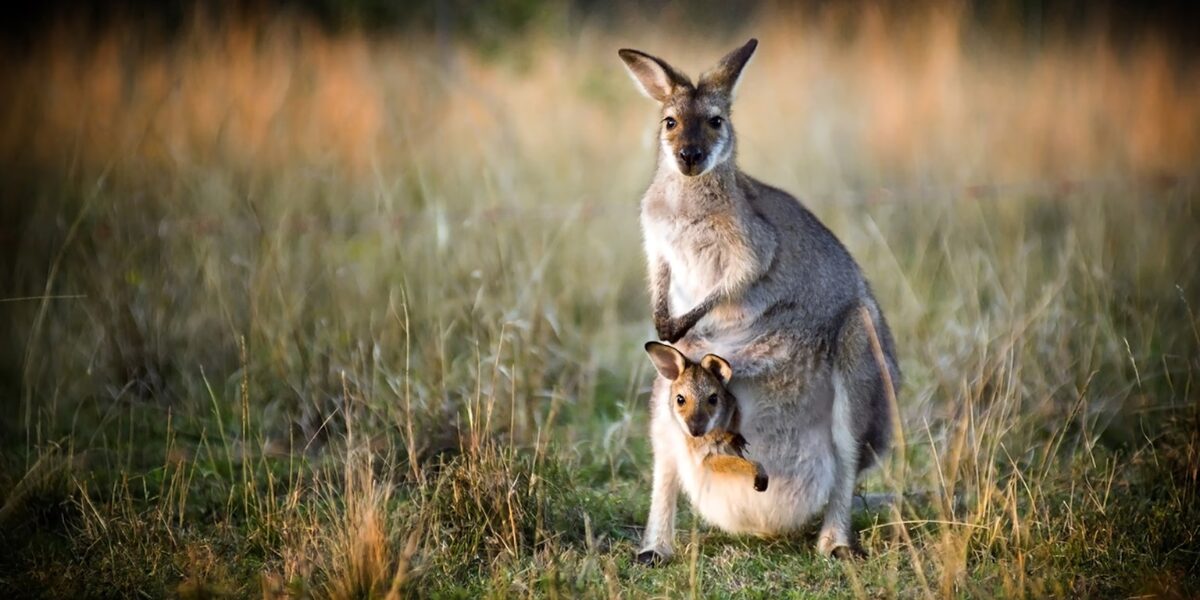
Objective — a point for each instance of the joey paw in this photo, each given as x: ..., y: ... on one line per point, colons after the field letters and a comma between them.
x: 760, y: 482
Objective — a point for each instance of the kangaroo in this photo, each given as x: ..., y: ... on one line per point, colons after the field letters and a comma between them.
x: 742, y: 270
x: 706, y: 409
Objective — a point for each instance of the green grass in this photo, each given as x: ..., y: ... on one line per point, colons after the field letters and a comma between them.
x: 392, y: 431
x: 414, y: 366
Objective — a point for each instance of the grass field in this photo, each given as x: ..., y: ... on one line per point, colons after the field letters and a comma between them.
x: 296, y: 313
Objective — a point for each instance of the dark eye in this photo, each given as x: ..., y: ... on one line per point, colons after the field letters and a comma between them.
x: 670, y: 122
x: 712, y: 400
x: 716, y: 122
x: 680, y: 400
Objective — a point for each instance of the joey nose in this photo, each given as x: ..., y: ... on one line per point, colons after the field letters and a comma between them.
x: 691, y: 155
x: 696, y: 430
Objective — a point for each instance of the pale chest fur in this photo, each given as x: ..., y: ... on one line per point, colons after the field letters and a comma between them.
x: 704, y: 254
x: 695, y: 272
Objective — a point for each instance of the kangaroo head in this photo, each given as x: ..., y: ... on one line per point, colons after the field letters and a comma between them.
x: 699, y: 396
x: 695, y: 133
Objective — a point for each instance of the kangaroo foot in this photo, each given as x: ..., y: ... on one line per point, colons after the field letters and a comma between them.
x: 650, y: 558
x: 841, y: 547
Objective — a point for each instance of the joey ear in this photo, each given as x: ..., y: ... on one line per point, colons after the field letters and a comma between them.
x: 653, y: 75
x: 667, y: 360
x: 717, y: 366
x: 728, y: 71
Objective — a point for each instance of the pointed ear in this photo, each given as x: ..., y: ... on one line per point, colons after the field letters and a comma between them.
x: 654, y: 76
x: 717, y: 366
x: 667, y: 360
x: 728, y: 71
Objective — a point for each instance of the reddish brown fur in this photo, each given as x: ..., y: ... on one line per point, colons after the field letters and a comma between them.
x: 707, y: 410
x: 705, y: 399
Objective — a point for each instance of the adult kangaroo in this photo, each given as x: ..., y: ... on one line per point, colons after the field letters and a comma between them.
x: 743, y: 270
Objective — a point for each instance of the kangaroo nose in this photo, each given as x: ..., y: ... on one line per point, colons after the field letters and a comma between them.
x: 696, y: 430
x: 691, y: 155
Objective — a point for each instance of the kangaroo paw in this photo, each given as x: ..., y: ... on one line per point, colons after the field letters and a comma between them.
x: 760, y: 482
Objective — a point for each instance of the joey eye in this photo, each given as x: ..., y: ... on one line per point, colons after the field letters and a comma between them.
x: 670, y: 123
x: 680, y: 400
x: 712, y: 400
x: 716, y: 122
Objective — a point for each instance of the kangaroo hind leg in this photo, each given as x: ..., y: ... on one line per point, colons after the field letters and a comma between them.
x: 861, y: 421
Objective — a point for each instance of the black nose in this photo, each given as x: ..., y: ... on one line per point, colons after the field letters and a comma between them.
x: 696, y: 430
x: 691, y: 155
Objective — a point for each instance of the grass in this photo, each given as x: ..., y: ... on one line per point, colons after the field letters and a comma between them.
x: 301, y: 314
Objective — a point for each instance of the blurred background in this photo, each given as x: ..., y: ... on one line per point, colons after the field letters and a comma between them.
x: 234, y: 236
x: 861, y: 92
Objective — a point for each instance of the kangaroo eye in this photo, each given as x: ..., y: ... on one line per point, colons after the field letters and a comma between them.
x: 712, y: 400
x: 670, y: 122
x: 716, y: 122
x: 680, y: 400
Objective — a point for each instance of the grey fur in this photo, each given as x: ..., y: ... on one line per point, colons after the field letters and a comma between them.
x: 742, y: 269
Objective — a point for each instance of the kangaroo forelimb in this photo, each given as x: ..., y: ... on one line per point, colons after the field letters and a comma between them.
x: 662, y: 303
x: 680, y: 327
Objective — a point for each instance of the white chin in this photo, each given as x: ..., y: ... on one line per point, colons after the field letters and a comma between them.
x: 692, y: 171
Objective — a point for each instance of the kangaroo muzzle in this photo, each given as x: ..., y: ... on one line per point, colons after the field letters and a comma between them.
x: 691, y: 157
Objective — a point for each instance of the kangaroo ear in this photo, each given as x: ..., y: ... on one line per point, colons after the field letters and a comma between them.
x: 717, y: 366
x: 653, y: 75
x: 667, y: 360
x: 728, y: 71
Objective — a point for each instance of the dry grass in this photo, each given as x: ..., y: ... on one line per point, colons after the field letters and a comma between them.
x: 359, y: 316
